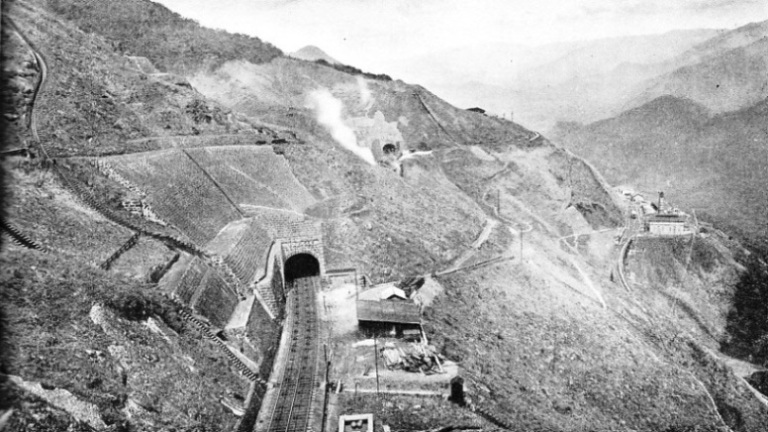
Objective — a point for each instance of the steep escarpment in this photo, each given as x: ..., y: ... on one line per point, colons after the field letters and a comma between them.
x: 95, y: 100
x: 81, y: 330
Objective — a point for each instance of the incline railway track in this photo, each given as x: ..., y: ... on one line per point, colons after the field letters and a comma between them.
x: 293, y: 407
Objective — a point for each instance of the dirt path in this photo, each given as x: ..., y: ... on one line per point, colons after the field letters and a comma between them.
x: 620, y: 263
x: 551, y: 230
x: 490, y: 224
x: 733, y: 364
x: 43, y: 68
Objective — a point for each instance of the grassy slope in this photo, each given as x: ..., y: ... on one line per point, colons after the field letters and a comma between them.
x: 135, y: 26
x: 92, y: 93
x: 546, y: 358
x: 48, y: 300
x: 580, y: 391
x: 393, y: 226
x: 95, y: 99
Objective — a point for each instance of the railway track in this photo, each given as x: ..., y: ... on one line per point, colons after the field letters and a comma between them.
x: 293, y: 408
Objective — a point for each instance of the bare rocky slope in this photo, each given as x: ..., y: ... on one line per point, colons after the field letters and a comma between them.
x: 548, y: 340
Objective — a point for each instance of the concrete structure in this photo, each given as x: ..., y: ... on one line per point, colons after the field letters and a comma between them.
x: 311, y: 246
x: 356, y: 423
x: 665, y: 220
x: 341, y: 275
x: 457, y: 391
x: 667, y: 224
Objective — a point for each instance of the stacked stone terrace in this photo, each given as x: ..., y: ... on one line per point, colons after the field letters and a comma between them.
x: 207, y: 292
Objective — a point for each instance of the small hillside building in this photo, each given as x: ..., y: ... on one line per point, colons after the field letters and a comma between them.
x: 388, y: 317
x: 341, y: 275
x: 667, y: 224
x: 356, y: 423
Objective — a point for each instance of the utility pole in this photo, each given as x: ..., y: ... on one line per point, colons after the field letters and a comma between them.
x: 522, y: 233
x: 357, y: 290
x: 376, y: 362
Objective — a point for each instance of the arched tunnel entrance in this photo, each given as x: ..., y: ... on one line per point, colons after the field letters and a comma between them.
x: 299, y: 266
x: 389, y: 149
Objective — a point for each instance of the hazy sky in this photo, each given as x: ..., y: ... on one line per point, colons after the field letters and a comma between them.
x: 368, y: 33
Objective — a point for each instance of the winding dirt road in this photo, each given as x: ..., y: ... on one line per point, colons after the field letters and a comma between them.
x: 42, y: 67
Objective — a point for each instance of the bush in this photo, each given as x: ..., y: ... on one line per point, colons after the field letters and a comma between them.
x: 354, y: 71
x: 748, y: 318
x: 132, y: 306
x: 135, y: 26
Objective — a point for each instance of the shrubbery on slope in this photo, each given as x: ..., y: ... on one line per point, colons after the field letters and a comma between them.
x: 136, y: 26
x: 55, y: 340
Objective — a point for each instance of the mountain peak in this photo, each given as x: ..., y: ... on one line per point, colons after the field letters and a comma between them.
x: 312, y: 53
x: 673, y: 105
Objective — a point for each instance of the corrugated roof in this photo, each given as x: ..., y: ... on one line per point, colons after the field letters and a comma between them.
x: 388, y: 311
x: 667, y: 218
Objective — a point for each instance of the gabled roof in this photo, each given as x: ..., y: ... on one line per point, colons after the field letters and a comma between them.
x: 391, y: 291
x: 388, y: 311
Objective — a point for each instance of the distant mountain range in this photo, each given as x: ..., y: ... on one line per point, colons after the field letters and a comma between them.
x: 592, y: 80
x: 716, y: 164
x: 722, y: 81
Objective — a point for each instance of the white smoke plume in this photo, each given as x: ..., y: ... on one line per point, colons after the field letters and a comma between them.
x: 328, y: 110
x: 366, y: 97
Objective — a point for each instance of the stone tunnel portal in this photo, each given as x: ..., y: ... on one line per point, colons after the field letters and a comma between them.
x: 299, y: 266
x: 389, y: 149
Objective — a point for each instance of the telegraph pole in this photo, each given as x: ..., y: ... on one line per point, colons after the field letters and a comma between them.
x: 376, y: 362
x: 522, y: 232
x: 357, y: 290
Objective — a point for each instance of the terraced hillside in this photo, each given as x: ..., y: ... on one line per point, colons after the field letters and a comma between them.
x: 546, y: 336
x: 244, y: 244
x: 253, y: 176
x: 201, y: 190
x: 197, y: 205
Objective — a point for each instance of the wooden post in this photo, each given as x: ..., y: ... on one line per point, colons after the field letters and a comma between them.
x: 357, y: 290
x: 325, y: 399
x: 376, y: 362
